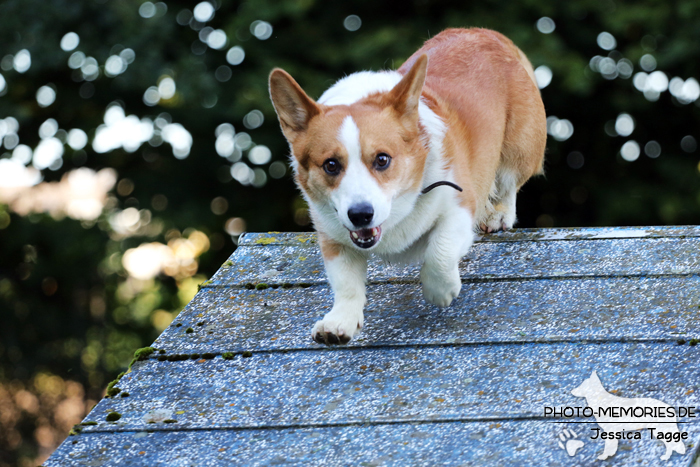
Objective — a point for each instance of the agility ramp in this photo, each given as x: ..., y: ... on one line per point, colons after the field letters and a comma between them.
x: 237, y: 380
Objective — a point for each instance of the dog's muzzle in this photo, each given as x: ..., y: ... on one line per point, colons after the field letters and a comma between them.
x: 366, y: 238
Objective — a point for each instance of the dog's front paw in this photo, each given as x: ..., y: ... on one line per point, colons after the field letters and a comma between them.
x: 439, y: 288
x: 337, y: 328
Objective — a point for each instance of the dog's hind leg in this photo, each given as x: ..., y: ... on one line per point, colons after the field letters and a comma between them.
x: 609, y: 450
x: 522, y: 151
x: 500, y: 208
x: 671, y: 446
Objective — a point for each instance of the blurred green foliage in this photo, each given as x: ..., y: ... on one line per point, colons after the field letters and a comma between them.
x: 67, y: 305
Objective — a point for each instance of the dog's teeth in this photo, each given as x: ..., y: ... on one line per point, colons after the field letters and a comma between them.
x: 355, y: 236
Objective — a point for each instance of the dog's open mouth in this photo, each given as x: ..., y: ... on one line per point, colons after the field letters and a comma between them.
x: 366, y: 238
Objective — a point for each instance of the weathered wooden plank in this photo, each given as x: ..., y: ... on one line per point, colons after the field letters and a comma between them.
x: 539, y: 310
x: 515, y: 235
x: 502, y: 311
x: 381, y: 385
x: 294, y: 264
x: 532, y: 443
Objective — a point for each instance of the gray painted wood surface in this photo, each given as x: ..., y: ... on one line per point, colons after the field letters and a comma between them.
x: 467, y: 385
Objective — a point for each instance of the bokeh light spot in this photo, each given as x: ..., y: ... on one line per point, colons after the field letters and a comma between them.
x: 76, y: 60
x: 183, y: 17
x: 166, y: 88
x: 625, y: 68
x: 47, y: 153
x: 235, y: 55
x: 48, y: 128
x: 277, y: 169
x: 203, y: 12
x: 647, y: 62
x: 77, y: 139
x: 22, y: 154
x: 352, y: 23
x: 70, y: 41
x: 235, y: 226
x: 575, y: 160
x: 260, y: 155
x: 630, y: 151
x: 624, y: 124
x: 261, y: 29
x: 253, y: 119
x: 223, y: 73
x: 22, y: 61
x: 217, y: 39
x: 128, y: 55
x: 115, y: 65
x: 606, y: 41
x: 151, y: 97
x: 543, y: 76
x: 242, y: 173
x: 689, y: 144
x: 219, y: 205
x: 243, y: 140
x: 685, y: 91
x: 45, y: 96
x: 147, y: 10
x: 652, y: 149
x: 561, y: 130
x: 546, y: 25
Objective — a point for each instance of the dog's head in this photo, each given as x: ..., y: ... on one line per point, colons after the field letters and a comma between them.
x: 360, y: 165
x: 588, y: 387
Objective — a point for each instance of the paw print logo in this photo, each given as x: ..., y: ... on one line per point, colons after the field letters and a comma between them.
x: 569, y: 443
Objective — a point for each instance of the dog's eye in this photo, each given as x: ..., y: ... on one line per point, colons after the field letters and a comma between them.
x: 331, y: 166
x: 382, y: 161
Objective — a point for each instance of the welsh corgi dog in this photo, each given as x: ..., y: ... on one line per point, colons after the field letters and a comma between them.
x: 410, y: 164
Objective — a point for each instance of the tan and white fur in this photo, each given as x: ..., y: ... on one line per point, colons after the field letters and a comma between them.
x: 464, y: 108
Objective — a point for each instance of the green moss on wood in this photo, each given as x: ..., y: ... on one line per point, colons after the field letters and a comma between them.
x: 113, y: 416
x: 261, y: 286
x: 228, y: 355
x: 208, y: 356
x: 189, y: 331
x: 89, y: 423
x: 247, y: 354
x: 143, y: 353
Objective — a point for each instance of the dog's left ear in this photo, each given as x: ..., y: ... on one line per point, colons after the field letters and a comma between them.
x: 294, y: 107
x: 405, y: 96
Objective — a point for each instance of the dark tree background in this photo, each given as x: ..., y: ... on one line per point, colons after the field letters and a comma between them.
x: 137, y: 149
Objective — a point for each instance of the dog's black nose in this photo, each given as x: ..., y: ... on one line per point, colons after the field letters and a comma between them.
x: 361, y: 214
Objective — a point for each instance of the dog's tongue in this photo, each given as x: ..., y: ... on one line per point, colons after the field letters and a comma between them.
x: 366, y: 238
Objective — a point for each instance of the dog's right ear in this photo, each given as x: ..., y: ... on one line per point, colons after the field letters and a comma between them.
x: 293, y: 106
